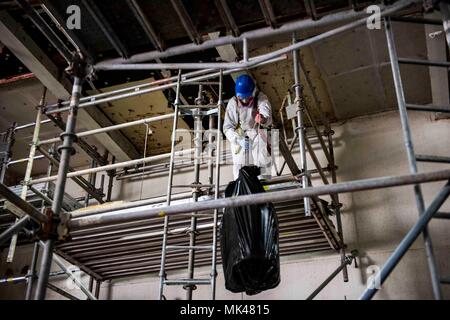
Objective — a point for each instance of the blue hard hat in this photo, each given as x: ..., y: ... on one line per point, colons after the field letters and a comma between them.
x: 244, y: 86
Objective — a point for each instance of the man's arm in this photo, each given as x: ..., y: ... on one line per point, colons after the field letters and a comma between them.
x: 230, y: 122
x: 265, y: 109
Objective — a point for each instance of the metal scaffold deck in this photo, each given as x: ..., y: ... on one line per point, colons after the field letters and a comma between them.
x: 134, y: 248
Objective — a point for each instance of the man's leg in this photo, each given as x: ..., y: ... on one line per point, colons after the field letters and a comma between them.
x: 261, y: 156
x: 238, y: 155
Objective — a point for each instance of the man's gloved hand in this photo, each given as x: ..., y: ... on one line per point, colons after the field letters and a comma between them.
x: 260, y: 119
x: 241, y: 142
x: 240, y: 145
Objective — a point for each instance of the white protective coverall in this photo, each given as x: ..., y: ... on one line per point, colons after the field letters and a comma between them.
x: 242, y: 117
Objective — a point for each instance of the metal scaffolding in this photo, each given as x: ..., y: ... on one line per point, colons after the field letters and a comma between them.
x: 425, y: 215
x: 198, y: 111
x: 57, y: 225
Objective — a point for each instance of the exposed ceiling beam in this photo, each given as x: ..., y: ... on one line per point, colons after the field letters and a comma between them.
x: 61, y: 23
x: 226, y: 16
x: 186, y: 21
x: 106, y: 28
x: 29, y: 53
x: 269, y: 14
x: 42, y: 25
x: 151, y: 33
x: 227, y: 53
x: 311, y: 9
x: 10, y: 5
x: 303, y: 25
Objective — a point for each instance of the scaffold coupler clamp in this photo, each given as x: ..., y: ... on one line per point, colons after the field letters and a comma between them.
x: 49, y: 228
x: 301, y: 174
x: 328, y: 131
x: 331, y: 167
x: 200, y: 100
x: 300, y: 105
x: 430, y: 5
x: 192, y: 286
x: 196, y: 188
x: 62, y: 230
x: 295, y: 85
x: 189, y: 231
x: 352, y: 257
x: 64, y: 145
x: 78, y: 67
x: 300, y: 128
x: 334, y: 206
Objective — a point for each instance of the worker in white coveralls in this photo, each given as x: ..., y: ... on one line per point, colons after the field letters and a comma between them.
x: 249, y: 113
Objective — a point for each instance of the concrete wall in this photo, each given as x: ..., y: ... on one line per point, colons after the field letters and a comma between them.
x: 374, y: 222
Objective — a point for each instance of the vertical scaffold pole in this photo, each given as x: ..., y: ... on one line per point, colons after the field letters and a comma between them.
x: 9, y: 141
x: 98, y: 284
x: 335, y: 202
x: 216, y: 187
x: 300, y: 126
x: 66, y: 150
x: 29, y: 169
x: 211, y: 124
x: 111, y: 175
x: 92, y: 180
x: 32, y: 271
x: 411, y: 154
x: 195, y: 191
x: 162, y: 272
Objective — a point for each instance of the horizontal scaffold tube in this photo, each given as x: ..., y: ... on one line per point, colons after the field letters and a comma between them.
x: 23, y: 205
x: 149, y: 87
x: 112, y: 166
x: 177, y: 196
x: 112, y: 128
x: 24, y: 160
x: 13, y: 229
x: 295, y: 194
x: 131, y: 88
x: 30, y: 125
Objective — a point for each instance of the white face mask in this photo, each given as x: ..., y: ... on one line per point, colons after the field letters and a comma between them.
x: 246, y: 101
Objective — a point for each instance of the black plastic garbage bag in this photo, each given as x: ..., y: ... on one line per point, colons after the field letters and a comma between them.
x: 249, y: 239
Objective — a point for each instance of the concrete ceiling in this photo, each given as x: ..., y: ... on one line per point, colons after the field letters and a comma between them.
x: 140, y: 107
x: 276, y: 79
x: 355, y: 66
x: 351, y: 72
